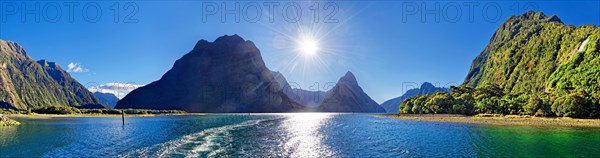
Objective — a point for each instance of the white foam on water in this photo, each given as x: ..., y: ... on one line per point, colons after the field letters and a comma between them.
x: 203, y: 141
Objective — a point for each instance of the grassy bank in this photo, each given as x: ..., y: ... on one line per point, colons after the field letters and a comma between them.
x: 500, y: 120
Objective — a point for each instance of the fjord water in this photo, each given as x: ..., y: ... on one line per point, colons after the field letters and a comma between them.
x: 287, y: 135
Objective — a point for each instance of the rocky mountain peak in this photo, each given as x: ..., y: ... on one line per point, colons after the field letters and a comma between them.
x: 538, y: 16
x: 230, y: 39
x: 46, y: 63
x: 226, y: 42
x: 201, y: 43
x: 532, y: 15
x: 348, y: 96
x: 226, y: 75
x: 427, y: 85
x: 554, y: 18
x: 349, y: 79
x: 7, y: 47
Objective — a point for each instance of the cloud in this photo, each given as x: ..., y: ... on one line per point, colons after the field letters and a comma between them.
x: 118, y: 89
x: 76, y: 67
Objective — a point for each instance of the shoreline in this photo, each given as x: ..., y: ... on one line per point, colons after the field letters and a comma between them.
x: 93, y: 115
x: 5, y: 121
x: 508, y: 120
x: 494, y: 120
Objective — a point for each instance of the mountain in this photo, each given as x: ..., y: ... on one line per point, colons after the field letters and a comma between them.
x: 310, y: 98
x: 107, y: 98
x: 537, y: 54
x: 533, y: 65
x: 29, y: 84
x: 307, y: 98
x: 528, y: 51
x: 227, y: 75
x: 347, y: 96
x: 391, y: 106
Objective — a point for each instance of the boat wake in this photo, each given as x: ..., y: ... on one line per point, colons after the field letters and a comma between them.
x: 207, y: 143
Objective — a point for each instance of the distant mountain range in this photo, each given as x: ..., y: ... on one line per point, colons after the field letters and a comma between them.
x: 346, y: 96
x: 107, y: 98
x: 29, y: 84
x: 229, y: 75
x: 310, y: 99
x: 391, y: 106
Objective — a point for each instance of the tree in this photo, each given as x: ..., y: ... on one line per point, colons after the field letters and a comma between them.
x: 571, y: 105
x: 440, y: 102
x: 534, y: 103
x: 406, y: 106
x: 488, y: 91
x: 419, y: 105
x: 513, y: 104
x: 487, y: 105
x: 459, y: 109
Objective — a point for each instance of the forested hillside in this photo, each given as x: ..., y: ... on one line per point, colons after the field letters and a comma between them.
x: 27, y: 84
x: 533, y: 65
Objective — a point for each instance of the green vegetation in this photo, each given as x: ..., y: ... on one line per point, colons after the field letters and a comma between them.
x: 533, y: 53
x: 27, y: 84
x: 56, y: 110
x: 5, y: 121
x: 144, y: 111
x: 64, y: 110
x: 491, y: 99
x: 533, y: 65
x: 12, y: 111
x: 578, y: 81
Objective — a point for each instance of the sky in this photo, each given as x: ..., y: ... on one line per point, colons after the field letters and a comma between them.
x: 390, y: 46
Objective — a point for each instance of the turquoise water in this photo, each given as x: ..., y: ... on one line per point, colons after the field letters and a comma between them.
x: 287, y: 135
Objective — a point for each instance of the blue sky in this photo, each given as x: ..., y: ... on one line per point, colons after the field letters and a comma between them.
x: 386, y: 44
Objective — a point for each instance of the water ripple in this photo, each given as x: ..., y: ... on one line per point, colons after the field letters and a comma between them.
x: 201, y: 144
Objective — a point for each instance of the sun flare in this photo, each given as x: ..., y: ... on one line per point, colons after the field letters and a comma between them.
x: 308, y: 51
x: 308, y: 46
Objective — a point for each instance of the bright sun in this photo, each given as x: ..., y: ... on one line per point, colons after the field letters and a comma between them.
x: 308, y: 46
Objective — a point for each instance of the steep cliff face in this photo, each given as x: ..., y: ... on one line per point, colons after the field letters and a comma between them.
x: 535, y: 56
x: 29, y: 84
x: 526, y: 51
x: 348, y: 96
x: 227, y: 75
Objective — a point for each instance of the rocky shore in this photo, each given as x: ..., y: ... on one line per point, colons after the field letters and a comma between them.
x: 5, y: 121
x: 499, y: 120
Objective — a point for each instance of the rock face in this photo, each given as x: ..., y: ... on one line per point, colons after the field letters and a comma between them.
x: 227, y: 75
x: 28, y: 84
x: 107, y: 98
x: 391, y: 106
x: 310, y: 99
x: 347, y: 96
x: 534, y: 53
